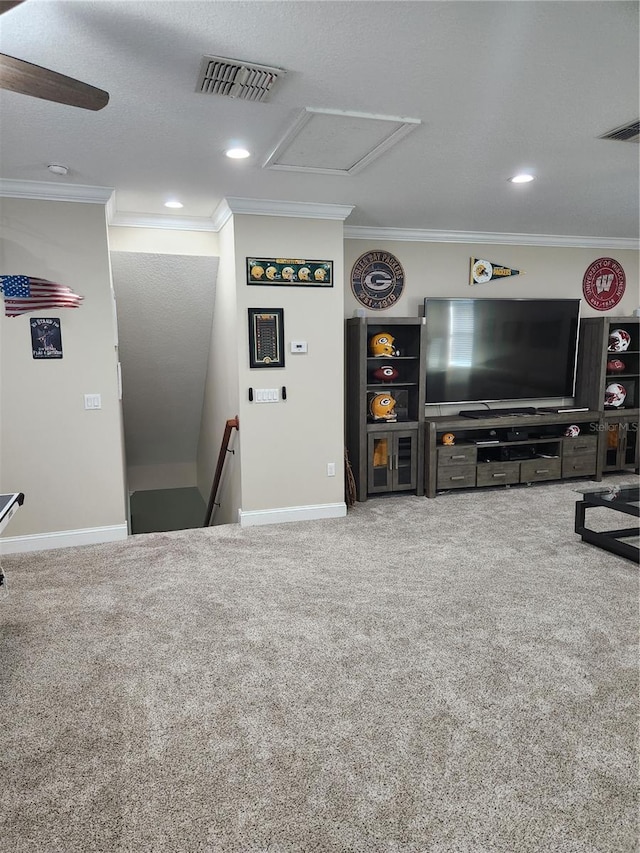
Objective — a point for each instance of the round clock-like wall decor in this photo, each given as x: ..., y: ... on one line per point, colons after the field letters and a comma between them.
x: 377, y: 280
x: 603, y: 284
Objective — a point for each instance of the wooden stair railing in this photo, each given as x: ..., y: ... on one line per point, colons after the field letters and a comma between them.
x: 232, y: 423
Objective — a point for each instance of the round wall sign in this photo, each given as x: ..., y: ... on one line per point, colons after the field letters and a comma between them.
x: 603, y: 284
x: 377, y: 280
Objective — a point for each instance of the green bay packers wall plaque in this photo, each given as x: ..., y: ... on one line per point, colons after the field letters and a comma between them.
x: 291, y: 272
x: 377, y: 280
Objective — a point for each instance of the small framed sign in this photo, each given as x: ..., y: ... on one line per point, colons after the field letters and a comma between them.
x: 266, y: 337
x: 289, y: 272
x: 46, y: 337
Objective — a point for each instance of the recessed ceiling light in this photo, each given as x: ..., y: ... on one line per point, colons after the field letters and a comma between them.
x: 521, y: 179
x: 173, y: 204
x: 57, y: 169
x: 238, y: 153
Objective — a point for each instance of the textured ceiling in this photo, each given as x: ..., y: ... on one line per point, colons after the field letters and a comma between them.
x: 497, y: 86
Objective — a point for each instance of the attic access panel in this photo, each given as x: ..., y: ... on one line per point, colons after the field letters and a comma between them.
x: 334, y: 142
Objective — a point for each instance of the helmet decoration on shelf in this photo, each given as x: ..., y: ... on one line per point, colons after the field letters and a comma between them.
x: 615, y: 395
x: 385, y: 373
x: 381, y: 345
x: 615, y: 365
x: 572, y: 431
x: 619, y: 340
x: 382, y: 407
x: 448, y: 439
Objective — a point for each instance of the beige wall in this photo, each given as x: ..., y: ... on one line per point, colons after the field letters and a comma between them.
x: 442, y: 269
x: 221, y: 390
x: 286, y: 446
x: 67, y: 461
x: 161, y: 240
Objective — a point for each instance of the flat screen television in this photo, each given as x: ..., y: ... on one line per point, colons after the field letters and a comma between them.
x: 488, y: 350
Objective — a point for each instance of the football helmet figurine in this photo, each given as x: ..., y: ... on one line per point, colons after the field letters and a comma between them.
x: 382, y: 345
x: 572, y: 431
x: 448, y: 439
x: 382, y: 407
x: 615, y: 365
x: 619, y: 340
x: 615, y: 395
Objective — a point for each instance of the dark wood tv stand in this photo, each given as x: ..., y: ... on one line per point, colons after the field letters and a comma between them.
x: 507, y: 450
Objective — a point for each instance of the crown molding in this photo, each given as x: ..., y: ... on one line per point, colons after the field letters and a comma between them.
x: 167, y: 223
x: 48, y: 191
x: 297, y: 209
x: 417, y: 235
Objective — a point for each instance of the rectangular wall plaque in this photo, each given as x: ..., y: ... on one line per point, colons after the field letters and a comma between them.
x: 46, y: 337
x: 266, y: 337
x: 289, y: 272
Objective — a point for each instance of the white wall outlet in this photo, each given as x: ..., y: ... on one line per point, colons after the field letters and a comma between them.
x: 331, y: 469
x: 92, y: 401
x: 298, y: 346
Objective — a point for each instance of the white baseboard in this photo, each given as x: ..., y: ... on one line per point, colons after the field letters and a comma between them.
x: 251, y: 518
x: 62, y: 539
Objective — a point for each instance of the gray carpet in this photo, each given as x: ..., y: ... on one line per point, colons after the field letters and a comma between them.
x: 424, y: 676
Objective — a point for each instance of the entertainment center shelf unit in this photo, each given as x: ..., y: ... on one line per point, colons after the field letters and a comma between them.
x: 508, y: 450
x: 408, y: 454
x: 386, y: 456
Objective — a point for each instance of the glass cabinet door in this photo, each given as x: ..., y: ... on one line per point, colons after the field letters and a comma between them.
x: 380, y: 461
x: 392, y: 461
x: 405, y: 468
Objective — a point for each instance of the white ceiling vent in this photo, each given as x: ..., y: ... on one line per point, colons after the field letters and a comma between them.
x: 234, y: 78
x: 627, y: 133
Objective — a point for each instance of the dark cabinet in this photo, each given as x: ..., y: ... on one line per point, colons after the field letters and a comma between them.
x: 607, y: 379
x: 620, y: 444
x: 385, y: 391
x: 392, y: 463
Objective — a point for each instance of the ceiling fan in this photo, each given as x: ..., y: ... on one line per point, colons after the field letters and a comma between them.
x: 17, y: 75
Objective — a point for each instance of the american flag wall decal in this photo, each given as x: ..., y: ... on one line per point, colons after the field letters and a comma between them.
x: 23, y: 293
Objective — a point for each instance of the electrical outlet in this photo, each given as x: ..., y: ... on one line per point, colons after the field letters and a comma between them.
x: 331, y: 469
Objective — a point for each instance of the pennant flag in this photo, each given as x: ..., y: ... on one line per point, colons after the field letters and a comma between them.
x: 482, y: 271
x: 23, y: 294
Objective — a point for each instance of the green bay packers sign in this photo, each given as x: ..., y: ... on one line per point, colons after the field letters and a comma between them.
x: 482, y: 271
x: 377, y: 280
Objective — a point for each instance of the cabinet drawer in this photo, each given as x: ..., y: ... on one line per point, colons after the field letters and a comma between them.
x: 463, y: 455
x: 495, y: 473
x: 534, y: 470
x: 580, y: 445
x: 456, y: 476
x: 578, y: 465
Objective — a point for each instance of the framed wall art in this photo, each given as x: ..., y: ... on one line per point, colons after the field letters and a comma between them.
x: 46, y: 337
x: 289, y: 272
x: 266, y: 337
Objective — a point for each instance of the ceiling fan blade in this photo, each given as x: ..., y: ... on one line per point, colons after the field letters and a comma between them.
x: 17, y: 75
x: 5, y: 5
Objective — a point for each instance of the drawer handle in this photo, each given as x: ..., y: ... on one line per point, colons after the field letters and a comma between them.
x: 542, y: 470
x: 581, y: 446
x: 459, y: 456
x: 500, y: 474
x: 459, y: 477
